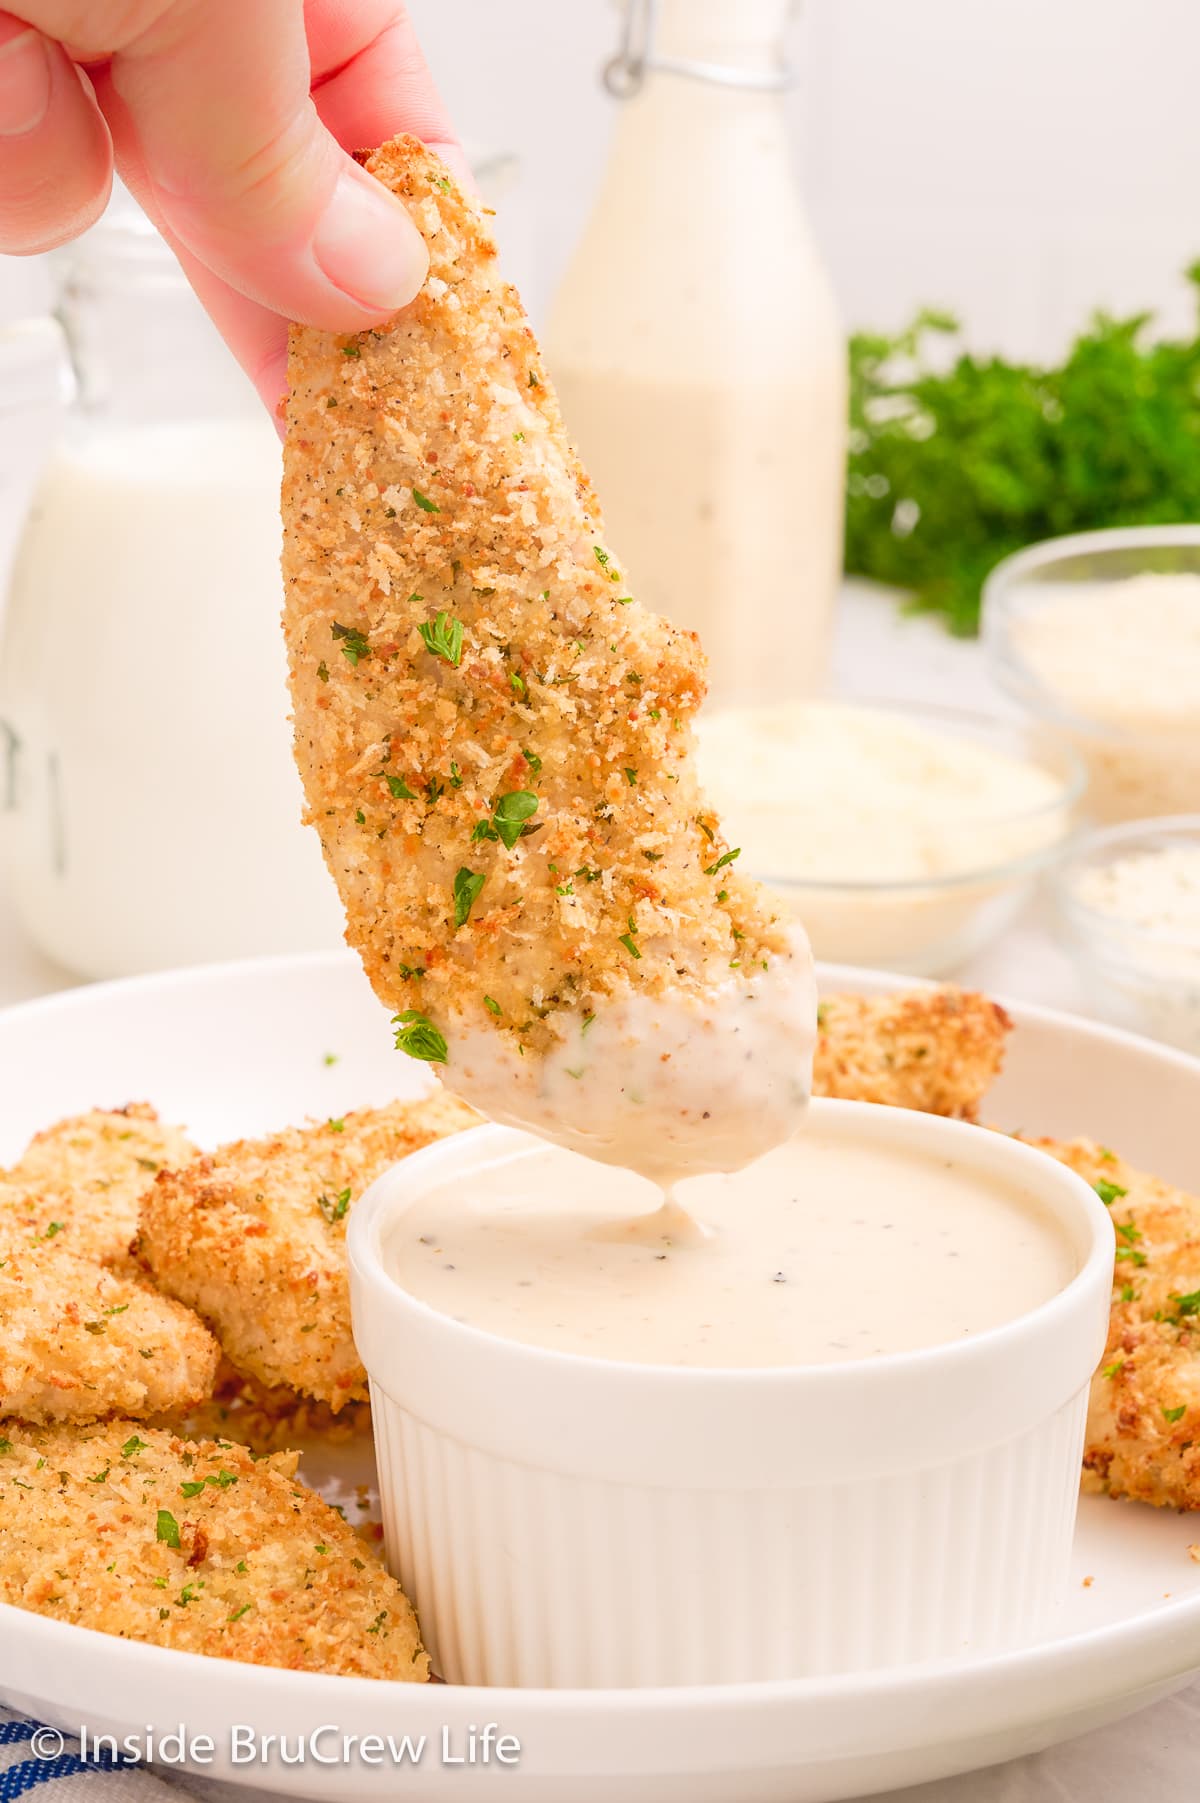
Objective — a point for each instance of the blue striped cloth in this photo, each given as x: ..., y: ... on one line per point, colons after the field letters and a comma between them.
x: 39, y: 1763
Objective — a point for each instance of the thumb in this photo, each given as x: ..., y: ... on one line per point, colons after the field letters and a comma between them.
x: 246, y: 177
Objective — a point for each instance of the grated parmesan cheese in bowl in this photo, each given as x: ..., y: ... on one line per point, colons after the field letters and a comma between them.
x: 904, y: 836
x: 1130, y: 902
x: 1099, y: 634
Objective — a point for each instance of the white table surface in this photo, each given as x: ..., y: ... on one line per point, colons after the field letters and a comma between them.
x: 882, y: 653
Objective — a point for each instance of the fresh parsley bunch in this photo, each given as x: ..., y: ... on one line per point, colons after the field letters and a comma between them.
x: 956, y: 460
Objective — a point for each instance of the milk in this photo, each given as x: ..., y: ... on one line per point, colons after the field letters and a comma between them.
x: 153, y: 812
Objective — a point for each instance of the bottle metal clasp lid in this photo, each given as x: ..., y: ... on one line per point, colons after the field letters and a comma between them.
x: 626, y: 72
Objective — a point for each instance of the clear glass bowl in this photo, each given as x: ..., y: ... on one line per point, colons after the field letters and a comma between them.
x: 1136, y: 768
x: 939, y: 888
x: 1142, y: 976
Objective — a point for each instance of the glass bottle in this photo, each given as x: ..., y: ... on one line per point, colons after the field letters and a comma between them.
x: 697, y: 352
x: 150, y: 810
x: 35, y: 387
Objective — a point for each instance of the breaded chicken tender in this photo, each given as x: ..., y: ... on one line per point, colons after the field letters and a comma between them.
x: 1143, y: 1431
x: 78, y: 1342
x: 254, y: 1239
x: 495, y: 738
x: 195, y: 1546
x: 83, y: 1178
x: 936, y: 1050
x: 265, y: 1420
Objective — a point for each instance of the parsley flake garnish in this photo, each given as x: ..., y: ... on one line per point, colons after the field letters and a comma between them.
x: 354, y: 643
x: 443, y: 637
x: 323, y: 670
x: 397, y: 787
x: 729, y: 857
x: 1108, y: 1192
x: 417, y: 1035
x: 1175, y: 1414
x: 167, y: 1528
x: 238, y: 1613
x: 424, y: 503
x: 334, y: 1207
x: 467, y: 884
x: 492, y: 1006
x: 133, y: 1446
x: 534, y: 762
x: 510, y: 814
x: 631, y: 776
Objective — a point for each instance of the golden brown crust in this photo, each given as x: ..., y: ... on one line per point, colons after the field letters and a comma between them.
x: 1143, y: 1432
x: 254, y: 1239
x: 86, y: 1174
x: 266, y: 1420
x: 195, y: 1546
x: 427, y: 478
x: 78, y: 1342
x: 936, y: 1050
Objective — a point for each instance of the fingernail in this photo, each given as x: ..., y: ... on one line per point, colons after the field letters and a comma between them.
x: 367, y: 245
x: 24, y: 83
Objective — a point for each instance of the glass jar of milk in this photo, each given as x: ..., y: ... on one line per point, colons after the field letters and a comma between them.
x: 151, y: 812
x: 697, y: 353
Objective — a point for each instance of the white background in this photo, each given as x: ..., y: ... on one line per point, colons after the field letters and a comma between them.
x: 1020, y: 163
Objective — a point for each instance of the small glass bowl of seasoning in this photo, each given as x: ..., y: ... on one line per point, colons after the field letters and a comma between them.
x: 1129, y: 901
x: 1097, y: 638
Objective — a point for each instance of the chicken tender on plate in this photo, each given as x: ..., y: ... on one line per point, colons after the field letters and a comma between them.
x: 254, y: 1239
x: 84, y: 1176
x: 196, y: 1546
x: 1143, y: 1431
x: 78, y: 1342
x: 496, y: 739
x: 935, y: 1050
x: 266, y: 1420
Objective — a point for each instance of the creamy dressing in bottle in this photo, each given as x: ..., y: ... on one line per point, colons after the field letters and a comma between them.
x: 698, y: 357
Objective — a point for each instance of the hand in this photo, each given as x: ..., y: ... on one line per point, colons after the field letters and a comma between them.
x: 231, y: 122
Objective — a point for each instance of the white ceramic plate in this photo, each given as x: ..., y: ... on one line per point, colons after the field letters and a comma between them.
x: 239, y: 1049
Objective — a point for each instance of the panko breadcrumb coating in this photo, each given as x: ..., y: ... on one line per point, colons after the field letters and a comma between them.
x: 86, y: 1174
x: 494, y: 736
x: 936, y: 1050
x: 195, y: 1546
x: 78, y: 1342
x: 266, y: 1420
x: 254, y: 1239
x: 1143, y: 1431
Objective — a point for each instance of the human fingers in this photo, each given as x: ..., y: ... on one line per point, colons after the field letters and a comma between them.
x: 247, y: 178
x: 55, y: 154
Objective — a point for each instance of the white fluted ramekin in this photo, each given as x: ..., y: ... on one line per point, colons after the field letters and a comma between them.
x: 569, y: 1521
